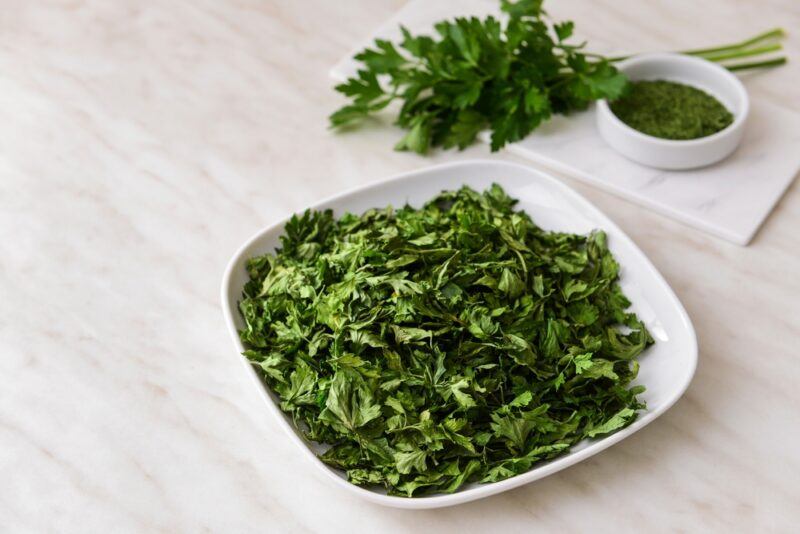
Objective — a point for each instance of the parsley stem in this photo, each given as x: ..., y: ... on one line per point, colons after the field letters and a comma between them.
x: 742, y: 53
x: 757, y: 64
x: 775, y: 33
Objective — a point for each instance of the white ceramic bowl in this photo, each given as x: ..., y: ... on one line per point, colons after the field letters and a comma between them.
x: 666, y: 368
x: 671, y: 154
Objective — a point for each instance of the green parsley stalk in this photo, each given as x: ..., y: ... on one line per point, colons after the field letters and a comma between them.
x: 746, y: 48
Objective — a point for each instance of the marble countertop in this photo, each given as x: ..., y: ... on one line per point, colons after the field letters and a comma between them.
x: 142, y: 143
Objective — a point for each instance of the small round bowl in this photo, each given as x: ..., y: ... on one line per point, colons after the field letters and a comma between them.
x: 672, y: 154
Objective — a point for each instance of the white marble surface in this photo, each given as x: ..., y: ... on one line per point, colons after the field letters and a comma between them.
x: 140, y: 144
x: 730, y: 199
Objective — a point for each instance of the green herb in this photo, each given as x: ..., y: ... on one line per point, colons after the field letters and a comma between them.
x: 671, y: 110
x: 432, y: 347
x: 508, y: 77
x: 479, y: 73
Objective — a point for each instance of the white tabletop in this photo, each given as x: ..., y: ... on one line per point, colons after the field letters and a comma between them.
x: 141, y: 143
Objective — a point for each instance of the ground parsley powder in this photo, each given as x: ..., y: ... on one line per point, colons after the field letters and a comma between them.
x: 671, y: 110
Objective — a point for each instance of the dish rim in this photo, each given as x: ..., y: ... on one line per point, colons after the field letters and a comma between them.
x: 483, y: 490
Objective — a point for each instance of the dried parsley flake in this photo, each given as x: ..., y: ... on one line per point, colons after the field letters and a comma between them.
x: 671, y: 110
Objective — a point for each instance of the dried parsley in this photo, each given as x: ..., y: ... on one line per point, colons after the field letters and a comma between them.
x: 433, y: 347
x: 671, y: 110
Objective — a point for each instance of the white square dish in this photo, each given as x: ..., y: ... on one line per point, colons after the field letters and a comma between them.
x: 666, y: 368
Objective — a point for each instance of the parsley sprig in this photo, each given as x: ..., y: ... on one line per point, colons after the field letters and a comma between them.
x: 432, y: 347
x: 510, y: 77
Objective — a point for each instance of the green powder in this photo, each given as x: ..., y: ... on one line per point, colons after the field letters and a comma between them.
x: 671, y: 110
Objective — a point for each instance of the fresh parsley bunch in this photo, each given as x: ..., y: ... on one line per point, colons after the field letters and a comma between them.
x: 476, y: 74
x: 433, y: 347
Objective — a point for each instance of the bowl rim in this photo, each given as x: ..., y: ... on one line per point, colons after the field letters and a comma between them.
x: 721, y: 72
x: 483, y: 490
